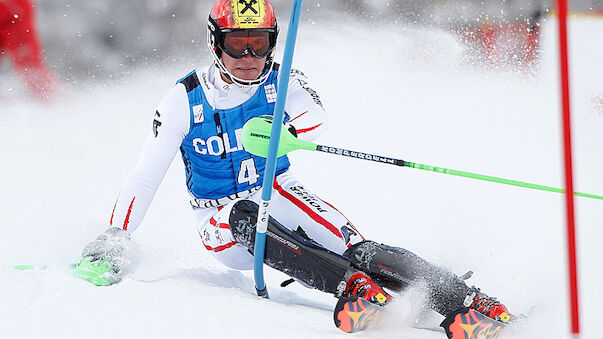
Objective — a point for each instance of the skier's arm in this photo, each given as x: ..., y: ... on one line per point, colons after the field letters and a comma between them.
x: 103, y: 259
x: 170, y: 125
x: 304, y: 108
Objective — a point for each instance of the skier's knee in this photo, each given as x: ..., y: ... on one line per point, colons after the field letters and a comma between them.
x: 242, y: 220
x: 363, y: 253
x: 366, y: 252
x: 388, y: 266
x: 357, y: 248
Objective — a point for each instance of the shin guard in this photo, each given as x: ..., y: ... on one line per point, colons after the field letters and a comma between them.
x: 396, y: 268
x: 290, y: 252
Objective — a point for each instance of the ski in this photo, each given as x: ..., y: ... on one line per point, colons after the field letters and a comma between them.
x: 98, y: 273
x: 470, y: 324
x: 353, y: 314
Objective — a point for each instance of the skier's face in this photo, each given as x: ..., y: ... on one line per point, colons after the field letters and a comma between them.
x: 245, y: 68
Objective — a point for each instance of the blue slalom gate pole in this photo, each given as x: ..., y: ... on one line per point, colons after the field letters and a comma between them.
x: 275, y: 134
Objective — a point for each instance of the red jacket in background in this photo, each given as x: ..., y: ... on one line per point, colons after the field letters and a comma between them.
x: 19, y: 41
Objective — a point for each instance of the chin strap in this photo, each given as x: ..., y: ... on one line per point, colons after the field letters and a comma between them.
x: 261, y: 80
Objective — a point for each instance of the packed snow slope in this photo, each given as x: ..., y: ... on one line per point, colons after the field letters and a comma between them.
x: 406, y: 93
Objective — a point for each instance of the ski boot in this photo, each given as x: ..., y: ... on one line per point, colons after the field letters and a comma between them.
x: 488, y: 306
x: 360, y: 285
x: 360, y: 304
x: 482, y: 317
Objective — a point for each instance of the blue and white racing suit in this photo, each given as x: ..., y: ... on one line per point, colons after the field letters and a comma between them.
x: 201, y: 117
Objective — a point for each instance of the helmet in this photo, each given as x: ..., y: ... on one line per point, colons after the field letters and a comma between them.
x: 241, y: 27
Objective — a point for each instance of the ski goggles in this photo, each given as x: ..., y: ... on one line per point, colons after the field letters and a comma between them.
x: 258, y: 42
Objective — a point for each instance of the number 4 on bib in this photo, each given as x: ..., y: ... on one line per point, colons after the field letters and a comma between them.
x: 248, y: 174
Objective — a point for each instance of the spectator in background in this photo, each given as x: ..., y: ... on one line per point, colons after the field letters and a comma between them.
x: 19, y: 41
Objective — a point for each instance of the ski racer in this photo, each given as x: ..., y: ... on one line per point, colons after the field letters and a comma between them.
x: 309, y: 239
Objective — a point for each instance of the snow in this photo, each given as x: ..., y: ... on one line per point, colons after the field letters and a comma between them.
x: 63, y: 164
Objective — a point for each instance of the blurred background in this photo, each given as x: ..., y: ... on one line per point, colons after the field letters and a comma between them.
x: 469, y: 85
x: 87, y: 40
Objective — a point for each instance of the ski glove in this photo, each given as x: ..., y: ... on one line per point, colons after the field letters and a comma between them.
x: 287, y: 125
x: 103, y: 259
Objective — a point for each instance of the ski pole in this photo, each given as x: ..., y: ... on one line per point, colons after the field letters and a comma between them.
x: 272, y: 146
x: 256, y: 133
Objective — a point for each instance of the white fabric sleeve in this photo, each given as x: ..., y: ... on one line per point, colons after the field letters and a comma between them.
x: 170, y: 126
x: 304, y: 108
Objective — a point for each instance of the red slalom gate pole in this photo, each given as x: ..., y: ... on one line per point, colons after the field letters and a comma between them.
x: 569, y: 185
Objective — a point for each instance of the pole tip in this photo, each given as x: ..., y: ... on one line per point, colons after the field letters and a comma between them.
x: 262, y: 293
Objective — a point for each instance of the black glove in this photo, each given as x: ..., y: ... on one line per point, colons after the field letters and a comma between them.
x: 287, y: 125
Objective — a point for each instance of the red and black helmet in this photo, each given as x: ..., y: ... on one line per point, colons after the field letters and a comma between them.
x: 241, y: 27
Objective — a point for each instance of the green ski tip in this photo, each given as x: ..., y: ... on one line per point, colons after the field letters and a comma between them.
x: 24, y: 267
